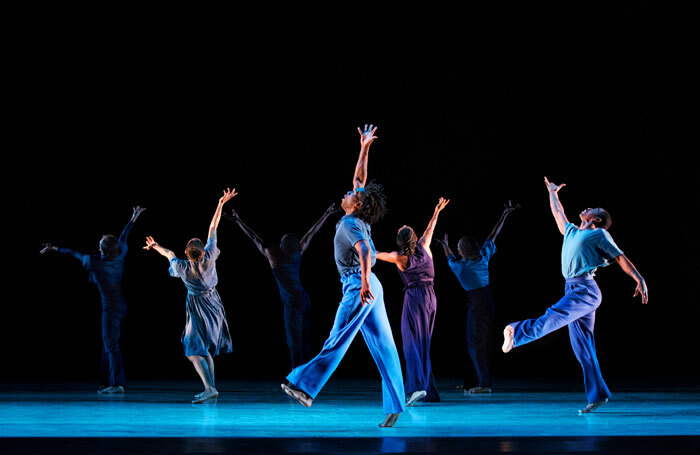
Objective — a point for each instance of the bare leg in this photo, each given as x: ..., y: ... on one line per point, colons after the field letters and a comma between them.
x: 390, y: 420
x: 210, y: 364
x: 202, y: 368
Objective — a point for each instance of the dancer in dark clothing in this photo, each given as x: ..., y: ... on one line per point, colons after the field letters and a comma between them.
x: 415, y: 264
x: 585, y: 249
x: 206, y: 330
x: 106, y: 271
x: 472, y: 271
x: 285, y: 261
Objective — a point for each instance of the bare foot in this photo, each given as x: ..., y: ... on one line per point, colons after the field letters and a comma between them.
x: 302, y: 397
x: 508, y: 340
x: 415, y: 396
x: 479, y: 390
x: 590, y: 407
x: 113, y: 389
x: 204, y: 396
x: 390, y: 420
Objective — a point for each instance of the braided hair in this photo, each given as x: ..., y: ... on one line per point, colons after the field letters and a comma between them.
x: 406, y: 240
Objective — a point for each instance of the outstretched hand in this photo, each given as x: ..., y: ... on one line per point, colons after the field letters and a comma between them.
x: 228, y: 195
x: 366, y: 293
x: 233, y: 216
x: 333, y: 208
x: 553, y: 187
x: 442, y: 203
x: 642, y: 290
x: 47, y: 248
x: 150, y: 243
x: 443, y: 240
x: 367, y: 136
x: 138, y: 210
x: 509, y: 207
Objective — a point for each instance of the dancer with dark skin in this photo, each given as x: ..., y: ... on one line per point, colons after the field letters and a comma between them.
x: 206, y: 330
x: 285, y: 262
x: 106, y: 271
x: 472, y: 271
x: 362, y: 306
x: 415, y: 264
x: 585, y: 249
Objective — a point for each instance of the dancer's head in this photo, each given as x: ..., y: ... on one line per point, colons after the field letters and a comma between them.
x: 109, y: 246
x: 598, y: 216
x: 289, y: 244
x: 194, y: 250
x: 406, y: 240
x: 468, y: 247
x: 369, y: 203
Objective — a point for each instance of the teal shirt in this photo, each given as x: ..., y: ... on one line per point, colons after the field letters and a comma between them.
x: 583, y: 251
x: 350, y: 230
x: 473, y: 274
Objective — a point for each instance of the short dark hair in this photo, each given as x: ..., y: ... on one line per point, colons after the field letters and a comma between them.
x: 289, y: 243
x: 373, y: 203
x: 109, y: 246
x: 194, y: 250
x: 605, y: 218
x: 406, y: 240
x: 470, y: 247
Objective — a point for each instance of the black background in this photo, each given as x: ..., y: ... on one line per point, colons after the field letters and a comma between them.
x: 165, y: 105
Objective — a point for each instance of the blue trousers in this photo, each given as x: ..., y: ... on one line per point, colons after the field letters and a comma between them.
x: 577, y: 310
x: 480, y: 310
x: 350, y: 318
x: 112, y: 365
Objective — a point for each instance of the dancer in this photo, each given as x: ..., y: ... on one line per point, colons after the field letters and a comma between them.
x: 285, y: 261
x: 206, y: 330
x: 106, y: 271
x: 472, y: 271
x: 415, y: 265
x: 362, y: 306
x: 585, y: 248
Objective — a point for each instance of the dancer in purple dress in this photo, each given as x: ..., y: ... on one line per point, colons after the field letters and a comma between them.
x: 206, y: 330
x: 415, y: 264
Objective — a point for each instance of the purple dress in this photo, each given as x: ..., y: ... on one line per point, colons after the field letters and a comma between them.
x: 206, y: 330
x: 417, y: 320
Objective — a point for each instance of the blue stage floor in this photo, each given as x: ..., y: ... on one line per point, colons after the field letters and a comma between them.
x: 345, y: 409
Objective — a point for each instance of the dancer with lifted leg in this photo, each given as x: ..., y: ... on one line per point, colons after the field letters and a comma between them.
x: 585, y: 248
x: 415, y: 265
x: 206, y: 330
x: 106, y: 271
x: 285, y: 261
x: 362, y: 306
x: 472, y: 271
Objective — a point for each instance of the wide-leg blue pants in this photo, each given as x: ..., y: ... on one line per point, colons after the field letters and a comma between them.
x: 577, y: 310
x: 350, y: 318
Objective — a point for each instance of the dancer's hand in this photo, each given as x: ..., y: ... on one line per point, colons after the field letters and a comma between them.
x: 234, y: 215
x: 642, y: 290
x: 367, y: 136
x: 138, y: 210
x: 366, y: 293
x: 228, y: 195
x: 510, y: 207
x: 443, y: 240
x: 442, y: 203
x: 332, y: 209
x: 553, y: 187
x: 150, y: 243
x: 47, y: 248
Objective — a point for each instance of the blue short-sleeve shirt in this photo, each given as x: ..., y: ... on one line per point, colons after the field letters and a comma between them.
x: 350, y: 230
x: 584, y: 250
x: 473, y: 274
x: 198, y: 276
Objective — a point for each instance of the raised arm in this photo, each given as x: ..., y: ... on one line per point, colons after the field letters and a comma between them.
x: 47, y: 247
x: 509, y: 207
x: 365, y: 255
x: 251, y: 234
x: 631, y: 270
x: 427, y: 236
x: 127, y: 229
x: 228, y: 194
x: 304, y: 243
x: 366, y: 138
x: 445, y: 246
x: 555, y: 205
x: 392, y: 257
x: 151, y: 244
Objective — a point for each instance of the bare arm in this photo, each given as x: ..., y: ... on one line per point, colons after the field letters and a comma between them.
x: 392, y: 257
x: 631, y: 270
x: 151, y: 244
x: 47, y: 247
x: 251, y: 234
x: 365, y: 256
x: 509, y: 207
x: 304, y: 244
x: 366, y: 138
x: 445, y: 246
x: 214, y: 225
x: 427, y: 236
x: 555, y: 205
x: 127, y: 229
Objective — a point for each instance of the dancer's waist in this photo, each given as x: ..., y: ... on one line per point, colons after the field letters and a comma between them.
x: 582, y: 278
x: 201, y: 292
x: 418, y: 284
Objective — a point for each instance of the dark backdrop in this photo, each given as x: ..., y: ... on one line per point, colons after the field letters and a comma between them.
x: 164, y: 106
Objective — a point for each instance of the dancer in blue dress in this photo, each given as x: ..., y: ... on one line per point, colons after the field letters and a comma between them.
x: 206, y: 330
x: 362, y: 306
x: 106, y: 271
x: 415, y: 264
x: 585, y: 248
x: 472, y: 271
x: 285, y: 261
